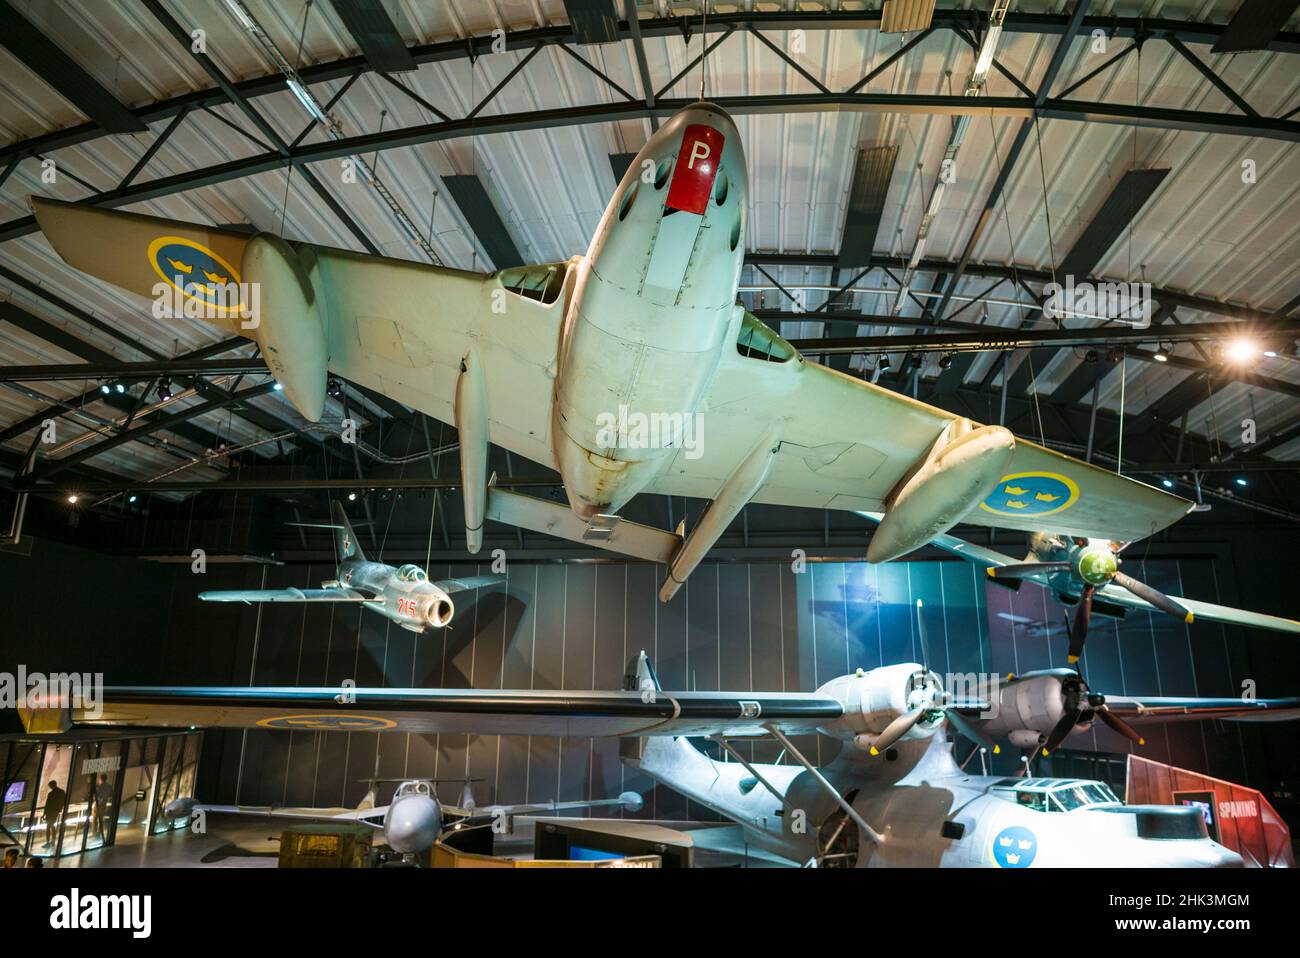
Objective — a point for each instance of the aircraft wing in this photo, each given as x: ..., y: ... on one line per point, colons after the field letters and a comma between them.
x: 465, y: 583
x: 299, y: 814
x: 1206, y: 611
x: 471, y: 711
x: 395, y: 326
x: 539, y: 808
x: 291, y: 594
x: 846, y: 444
x: 1138, y: 709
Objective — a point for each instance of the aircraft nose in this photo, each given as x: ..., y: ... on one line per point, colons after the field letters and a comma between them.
x: 413, y: 825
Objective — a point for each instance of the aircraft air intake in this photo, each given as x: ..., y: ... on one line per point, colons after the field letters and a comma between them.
x: 439, y: 612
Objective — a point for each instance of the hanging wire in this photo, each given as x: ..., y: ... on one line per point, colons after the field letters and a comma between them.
x: 1123, y: 384
x: 704, y: 49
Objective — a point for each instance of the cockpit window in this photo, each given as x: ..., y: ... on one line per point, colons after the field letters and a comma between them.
x: 411, y: 573
x: 1056, y: 795
x: 1035, y: 800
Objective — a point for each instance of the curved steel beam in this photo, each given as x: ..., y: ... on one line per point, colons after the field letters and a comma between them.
x: 474, y: 47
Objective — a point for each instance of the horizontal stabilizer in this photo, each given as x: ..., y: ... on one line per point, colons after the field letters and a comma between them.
x: 554, y: 519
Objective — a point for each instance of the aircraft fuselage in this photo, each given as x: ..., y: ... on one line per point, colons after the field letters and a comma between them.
x: 654, y: 302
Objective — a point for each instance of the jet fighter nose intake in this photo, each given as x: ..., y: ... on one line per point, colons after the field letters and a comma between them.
x: 438, y: 612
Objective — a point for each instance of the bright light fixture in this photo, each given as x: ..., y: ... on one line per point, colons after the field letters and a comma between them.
x: 72, y: 499
x: 1241, y: 350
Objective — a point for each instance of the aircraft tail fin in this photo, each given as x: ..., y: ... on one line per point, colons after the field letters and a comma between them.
x: 345, y: 540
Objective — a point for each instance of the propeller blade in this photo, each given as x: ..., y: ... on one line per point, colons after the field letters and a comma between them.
x: 1119, y: 725
x: 896, y: 730
x: 964, y: 725
x: 1079, y: 628
x: 1068, y: 721
x: 1019, y: 570
x: 1153, y: 596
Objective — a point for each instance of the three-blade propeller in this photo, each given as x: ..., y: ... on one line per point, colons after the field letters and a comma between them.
x: 1091, y: 568
x: 1082, y: 704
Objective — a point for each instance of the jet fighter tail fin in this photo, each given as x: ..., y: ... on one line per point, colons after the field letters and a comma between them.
x: 345, y: 540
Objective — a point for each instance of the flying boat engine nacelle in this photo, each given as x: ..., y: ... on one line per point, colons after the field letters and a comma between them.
x: 1030, y: 706
x: 874, y: 700
x: 958, y: 472
x: 414, y: 819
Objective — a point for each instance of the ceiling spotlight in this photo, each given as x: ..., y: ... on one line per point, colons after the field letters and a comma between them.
x: 1160, y: 355
x: 165, y: 390
x: 884, y: 361
x: 119, y: 387
x: 1240, y: 351
x: 277, y: 387
x: 1090, y: 356
x: 945, y: 361
x: 352, y: 497
x: 1271, y: 353
x: 334, y: 387
x: 1167, y: 483
x: 1241, y: 480
x: 72, y: 499
x: 132, y: 498
x: 105, y: 388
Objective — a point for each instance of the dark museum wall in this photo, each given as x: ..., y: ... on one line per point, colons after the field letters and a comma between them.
x: 741, y: 625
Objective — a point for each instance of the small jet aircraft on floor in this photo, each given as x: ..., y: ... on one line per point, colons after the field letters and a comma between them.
x: 414, y: 819
x: 1084, y: 573
x: 405, y: 595
x: 893, y: 796
x: 629, y: 369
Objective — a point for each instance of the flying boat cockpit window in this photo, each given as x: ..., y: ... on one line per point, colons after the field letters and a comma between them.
x: 1032, y: 800
x: 411, y: 573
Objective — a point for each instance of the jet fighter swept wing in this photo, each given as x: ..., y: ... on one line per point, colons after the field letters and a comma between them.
x: 249, y: 596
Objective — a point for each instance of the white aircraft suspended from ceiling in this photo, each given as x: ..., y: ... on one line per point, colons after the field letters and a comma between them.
x: 630, y: 369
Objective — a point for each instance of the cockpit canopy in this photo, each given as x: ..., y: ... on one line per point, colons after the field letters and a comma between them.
x: 414, y: 787
x: 412, y: 573
x: 1055, y: 794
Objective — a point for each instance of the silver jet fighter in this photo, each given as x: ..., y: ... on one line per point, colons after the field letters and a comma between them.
x: 403, y: 594
x: 414, y: 819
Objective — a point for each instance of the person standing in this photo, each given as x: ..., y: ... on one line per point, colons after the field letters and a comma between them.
x: 55, y: 799
x: 103, y: 804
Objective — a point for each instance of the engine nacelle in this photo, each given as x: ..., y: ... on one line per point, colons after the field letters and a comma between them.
x: 960, y: 470
x: 874, y: 699
x: 288, y: 327
x: 1030, y: 706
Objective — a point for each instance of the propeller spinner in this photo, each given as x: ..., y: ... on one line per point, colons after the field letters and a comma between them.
x: 1091, y: 564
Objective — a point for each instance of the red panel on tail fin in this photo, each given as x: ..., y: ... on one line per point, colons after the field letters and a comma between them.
x: 697, y: 165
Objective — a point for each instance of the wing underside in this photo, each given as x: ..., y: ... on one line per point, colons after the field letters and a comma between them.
x: 487, y: 712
